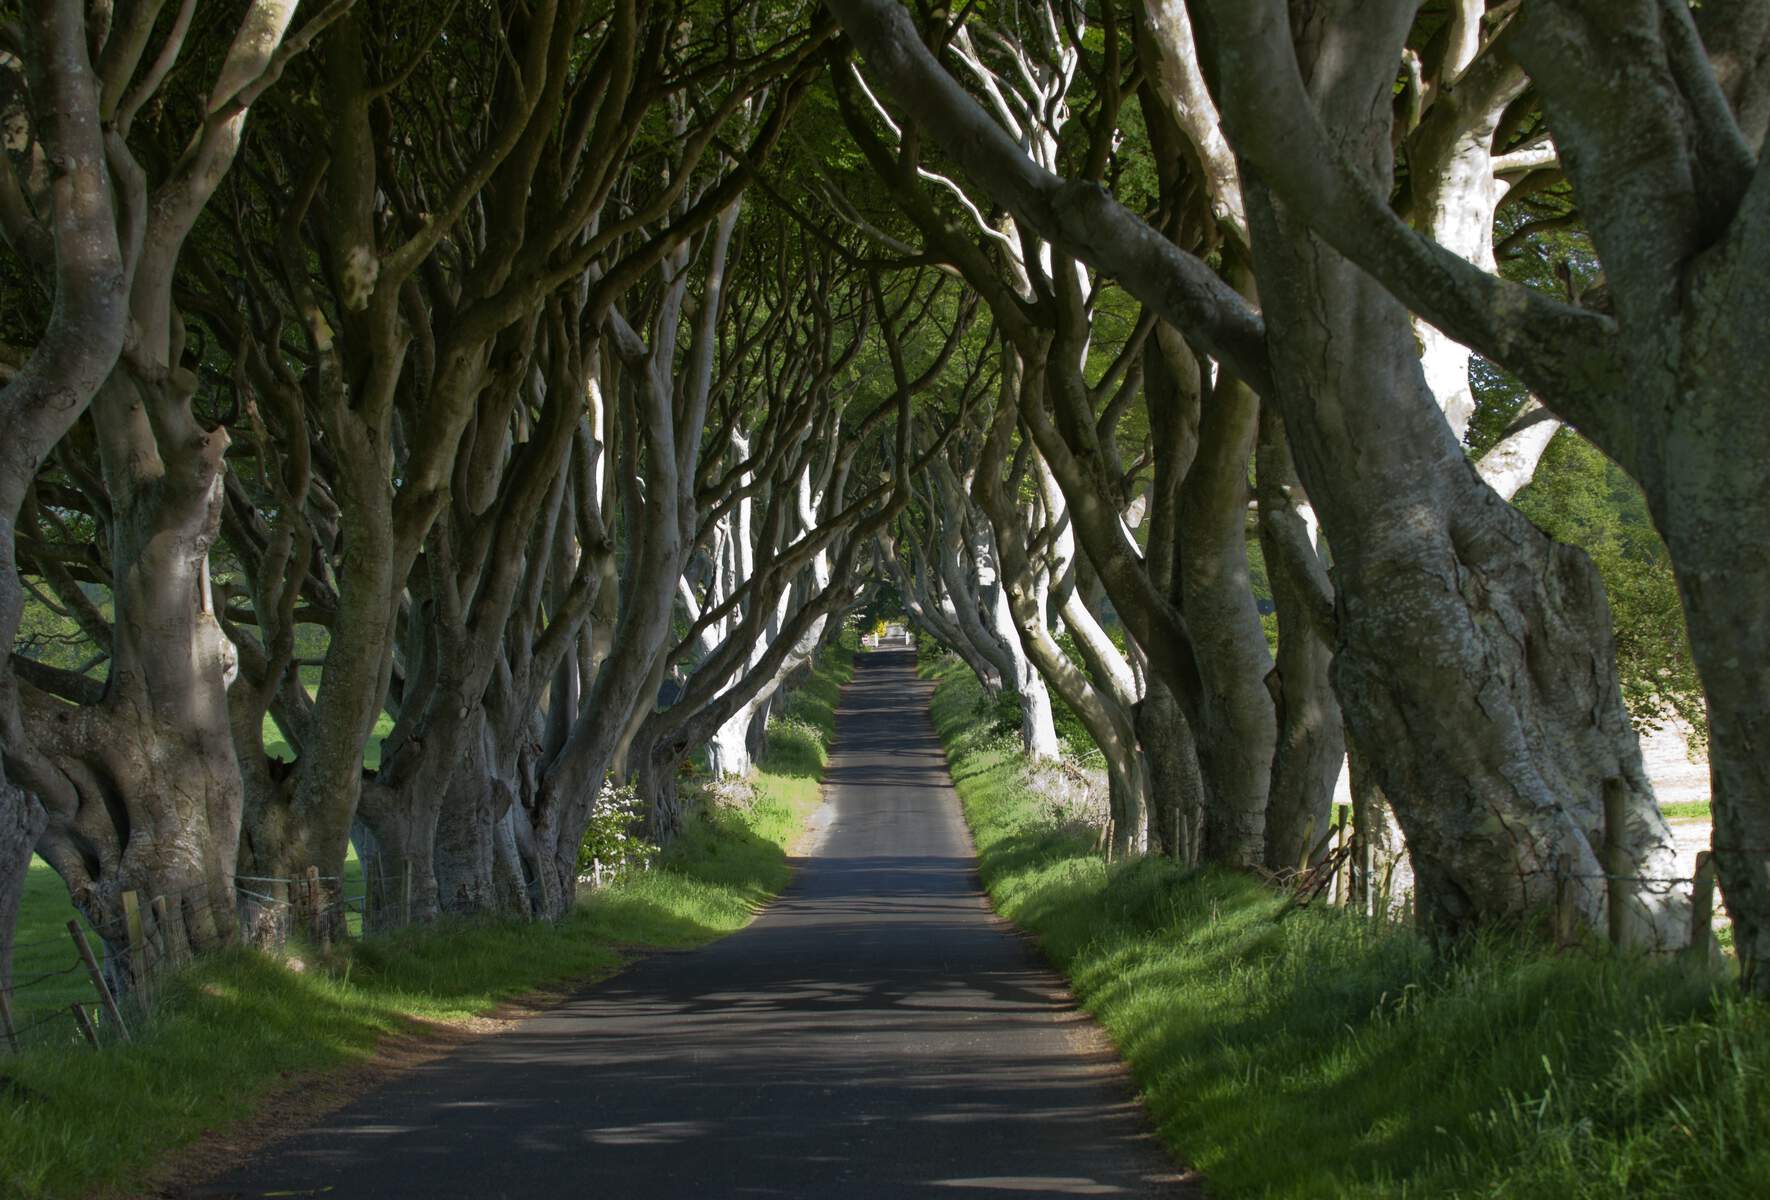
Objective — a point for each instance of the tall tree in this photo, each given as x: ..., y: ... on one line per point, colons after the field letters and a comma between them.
x: 62, y: 217
x: 140, y: 782
x: 1660, y: 367
x: 1502, y: 824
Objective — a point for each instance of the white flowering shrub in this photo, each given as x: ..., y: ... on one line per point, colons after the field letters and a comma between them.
x: 614, y: 842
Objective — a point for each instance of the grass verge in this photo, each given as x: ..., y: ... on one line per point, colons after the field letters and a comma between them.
x: 1327, y: 1056
x: 232, y: 1030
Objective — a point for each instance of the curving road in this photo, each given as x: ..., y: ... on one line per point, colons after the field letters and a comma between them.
x: 877, y: 1032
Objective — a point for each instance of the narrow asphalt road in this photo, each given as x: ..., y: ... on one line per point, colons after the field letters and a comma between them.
x: 877, y: 1032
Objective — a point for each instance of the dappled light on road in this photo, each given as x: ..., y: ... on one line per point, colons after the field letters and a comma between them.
x: 877, y: 1032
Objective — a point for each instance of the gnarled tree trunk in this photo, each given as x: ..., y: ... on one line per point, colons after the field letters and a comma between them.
x: 1311, y: 737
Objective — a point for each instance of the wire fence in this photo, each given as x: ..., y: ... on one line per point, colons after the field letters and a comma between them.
x: 103, y: 977
x: 1657, y: 913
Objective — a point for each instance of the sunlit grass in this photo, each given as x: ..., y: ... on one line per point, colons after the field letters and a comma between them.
x: 226, y: 1032
x: 1327, y: 1056
x: 276, y: 746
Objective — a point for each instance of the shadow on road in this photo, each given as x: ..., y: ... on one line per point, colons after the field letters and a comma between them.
x: 875, y: 1033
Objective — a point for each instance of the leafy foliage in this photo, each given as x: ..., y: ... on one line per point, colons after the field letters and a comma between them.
x: 614, y: 843
x: 1582, y: 498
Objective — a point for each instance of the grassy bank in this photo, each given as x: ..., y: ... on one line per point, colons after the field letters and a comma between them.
x: 226, y: 1033
x: 1325, y: 1056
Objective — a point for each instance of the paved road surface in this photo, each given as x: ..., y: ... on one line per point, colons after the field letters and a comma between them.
x: 875, y: 1033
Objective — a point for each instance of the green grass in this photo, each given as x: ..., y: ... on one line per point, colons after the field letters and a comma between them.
x: 1329, y: 1056
x: 1685, y: 810
x: 44, y: 962
x: 277, y: 746
x: 225, y: 1033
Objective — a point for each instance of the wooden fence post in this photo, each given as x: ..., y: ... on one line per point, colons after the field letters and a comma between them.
x: 1565, y: 923
x: 1618, y: 866
x: 162, y: 948
x: 6, y: 1025
x: 406, y: 913
x: 322, y: 926
x: 85, y: 1024
x: 1341, y: 887
x: 138, y: 967
x: 104, y: 991
x: 1381, y: 906
x: 1698, y: 952
x: 1367, y: 872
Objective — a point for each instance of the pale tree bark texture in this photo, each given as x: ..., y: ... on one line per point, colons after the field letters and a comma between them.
x: 1498, y: 766
x: 1311, y: 741
x: 142, y: 789
x: 77, y: 251
x: 1661, y: 373
x: 1474, y: 666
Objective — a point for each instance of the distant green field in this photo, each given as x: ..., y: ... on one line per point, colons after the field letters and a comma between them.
x: 277, y: 746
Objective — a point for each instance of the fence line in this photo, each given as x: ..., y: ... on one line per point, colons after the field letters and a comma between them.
x: 1339, y: 867
x: 138, y: 947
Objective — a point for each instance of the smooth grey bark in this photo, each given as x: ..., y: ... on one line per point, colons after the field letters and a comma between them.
x: 1497, y: 754
x: 447, y: 422
x: 142, y: 788
x: 1132, y: 802
x: 1108, y: 723
x: 1311, y: 742
x: 305, y: 815
x: 1237, y: 731
x: 1177, y: 792
x: 821, y: 520
x: 1039, y: 303
x: 662, y: 742
x: 1453, y: 188
x: 985, y: 557
x: 21, y: 822
x: 1510, y: 464
x: 446, y: 778
x: 1007, y: 615
x: 766, y: 573
x: 1474, y: 667
x: 1382, y: 871
x: 76, y: 249
x: 960, y: 575
x: 1173, y: 395
x: 670, y: 414
x: 146, y: 795
x: 1661, y: 372
x: 1492, y: 758
x: 1685, y: 415
x: 927, y: 604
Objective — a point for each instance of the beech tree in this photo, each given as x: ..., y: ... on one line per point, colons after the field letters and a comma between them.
x: 1043, y: 304
x: 481, y: 349
x: 1498, y: 772
x: 520, y: 402
x: 63, y: 218
x: 139, y: 777
x: 1656, y: 367
x: 799, y: 322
